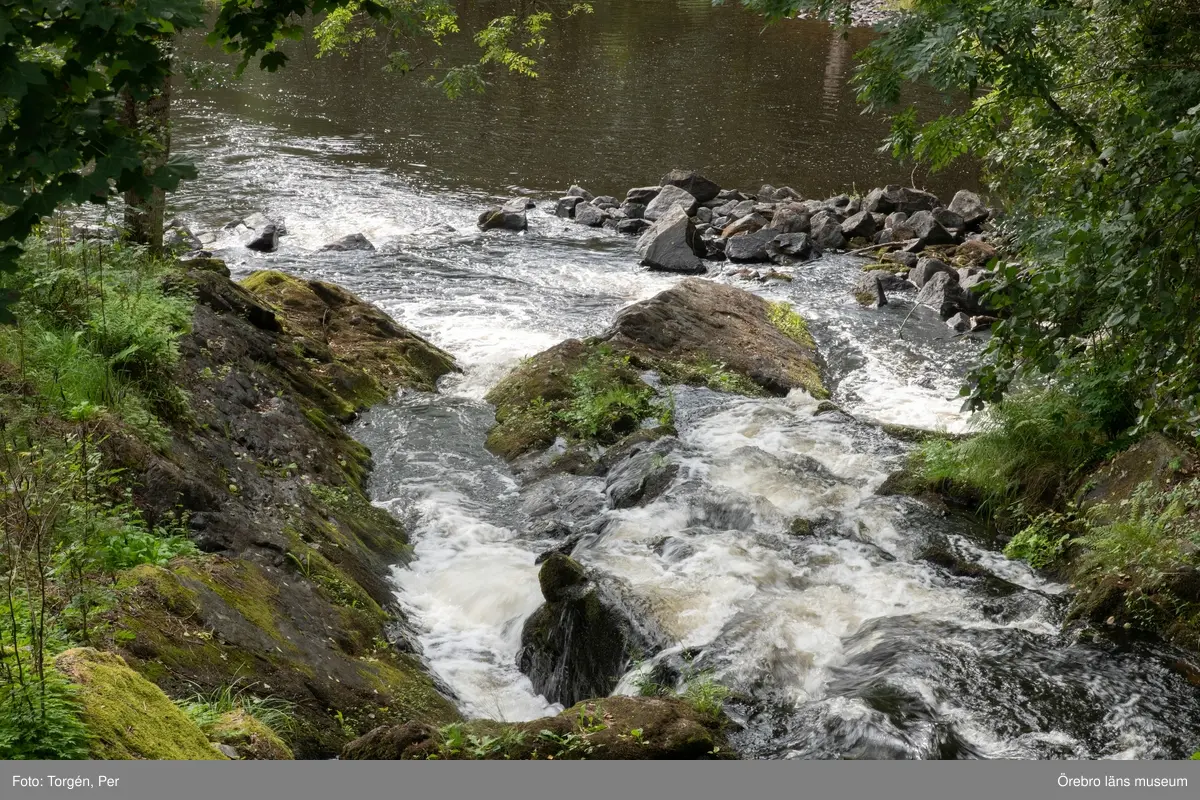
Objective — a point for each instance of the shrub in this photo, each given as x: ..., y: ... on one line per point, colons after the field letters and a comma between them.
x: 1029, y: 446
x: 39, y: 719
x: 608, y: 399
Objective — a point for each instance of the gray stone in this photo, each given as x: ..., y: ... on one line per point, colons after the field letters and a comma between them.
x: 861, y: 225
x: 959, y: 323
x: 633, y: 210
x: 747, y: 224
x: 509, y: 217
x: 693, y: 183
x: 634, y: 225
x: 943, y: 294
x: 579, y: 191
x: 353, y: 241
x: 565, y: 207
x: 894, y: 219
x: 605, y: 201
x: 790, y: 246
x: 590, y: 215
x: 704, y: 215
x: 267, y: 240
x: 827, y: 231
x: 790, y: 218
x: 751, y: 247
x: 672, y: 244
x: 899, y: 198
x: 900, y: 257
x: 926, y: 268
x: 928, y: 230
x: 642, y: 194
x: 670, y: 197
x: 948, y: 218
x: 970, y: 207
x: 743, y: 209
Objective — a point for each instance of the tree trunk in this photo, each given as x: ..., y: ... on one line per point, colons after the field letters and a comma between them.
x: 144, y: 214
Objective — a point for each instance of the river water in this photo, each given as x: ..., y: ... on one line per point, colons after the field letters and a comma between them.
x: 844, y: 644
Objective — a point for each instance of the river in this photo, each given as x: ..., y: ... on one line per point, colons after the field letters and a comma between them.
x: 845, y: 644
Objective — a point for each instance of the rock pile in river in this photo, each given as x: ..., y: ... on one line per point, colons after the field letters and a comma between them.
x: 688, y: 219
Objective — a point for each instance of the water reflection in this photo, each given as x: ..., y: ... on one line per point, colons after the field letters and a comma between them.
x: 623, y: 94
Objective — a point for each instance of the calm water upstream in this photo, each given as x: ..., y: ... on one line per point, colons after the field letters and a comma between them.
x: 842, y: 644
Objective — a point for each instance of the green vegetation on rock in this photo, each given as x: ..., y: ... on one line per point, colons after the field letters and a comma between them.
x: 126, y: 715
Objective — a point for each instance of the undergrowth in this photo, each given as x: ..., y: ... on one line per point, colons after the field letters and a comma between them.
x: 207, y: 709
x: 608, y: 399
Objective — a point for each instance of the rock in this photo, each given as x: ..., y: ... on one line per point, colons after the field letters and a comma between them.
x: 642, y: 195
x: 959, y: 323
x: 899, y: 198
x: 926, y: 268
x: 633, y: 226
x: 670, y: 197
x: 885, y: 236
x: 247, y: 738
x: 976, y: 252
x: 970, y: 207
x: 579, y: 191
x: 969, y: 279
x: 751, y: 247
x: 605, y: 201
x: 901, y: 257
x: 508, y: 217
x: 642, y: 476
x: 827, y: 231
x: 928, y: 230
x: 353, y: 241
x: 982, y: 322
x: 701, y: 320
x: 590, y: 215
x: 894, y: 219
x: 579, y: 645
x: 942, y: 293
x: 704, y: 215
x: 730, y: 194
x: 869, y: 290
x: 693, y: 183
x: 948, y: 219
x: 127, y: 716
x: 747, y: 224
x: 179, y: 237
x: 671, y: 244
x: 784, y: 193
x: 790, y: 218
x: 560, y: 578
x: 388, y: 743
x: 792, y: 246
x: 667, y: 729
x: 861, y: 225
x: 633, y: 210
x: 565, y: 207
x: 267, y: 240
x: 725, y: 209
x: 743, y: 209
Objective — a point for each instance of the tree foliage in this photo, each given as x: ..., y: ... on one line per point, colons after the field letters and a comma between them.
x: 1086, y: 117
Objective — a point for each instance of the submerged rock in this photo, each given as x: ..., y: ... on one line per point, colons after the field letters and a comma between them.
x: 353, y: 241
x: 267, y: 239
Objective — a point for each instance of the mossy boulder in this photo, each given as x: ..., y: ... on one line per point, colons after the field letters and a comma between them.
x: 613, y: 728
x: 252, y: 740
x: 581, y: 640
x: 696, y: 333
x: 127, y: 716
x: 373, y: 354
x: 1154, y: 459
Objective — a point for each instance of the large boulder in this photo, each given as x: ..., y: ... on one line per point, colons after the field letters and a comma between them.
x: 899, y: 198
x: 692, y: 182
x: 672, y: 244
x: 565, y: 207
x: 787, y: 247
x: 669, y: 198
x: 508, y: 217
x: 580, y: 641
x: 642, y: 194
x: 970, y: 207
x: 701, y: 320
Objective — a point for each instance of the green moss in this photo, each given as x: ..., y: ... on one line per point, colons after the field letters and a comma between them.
x: 250, y: 737
x: 703, y: 371
x: 243, y: 588
x: 793, y: 326
x: 406, y: 692
x: 129, y: 717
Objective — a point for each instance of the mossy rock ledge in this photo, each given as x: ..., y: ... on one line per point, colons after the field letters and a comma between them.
x: 624, y: 728
x: 289, y: 597
x: 127, y: 716
x: 698, y: 332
